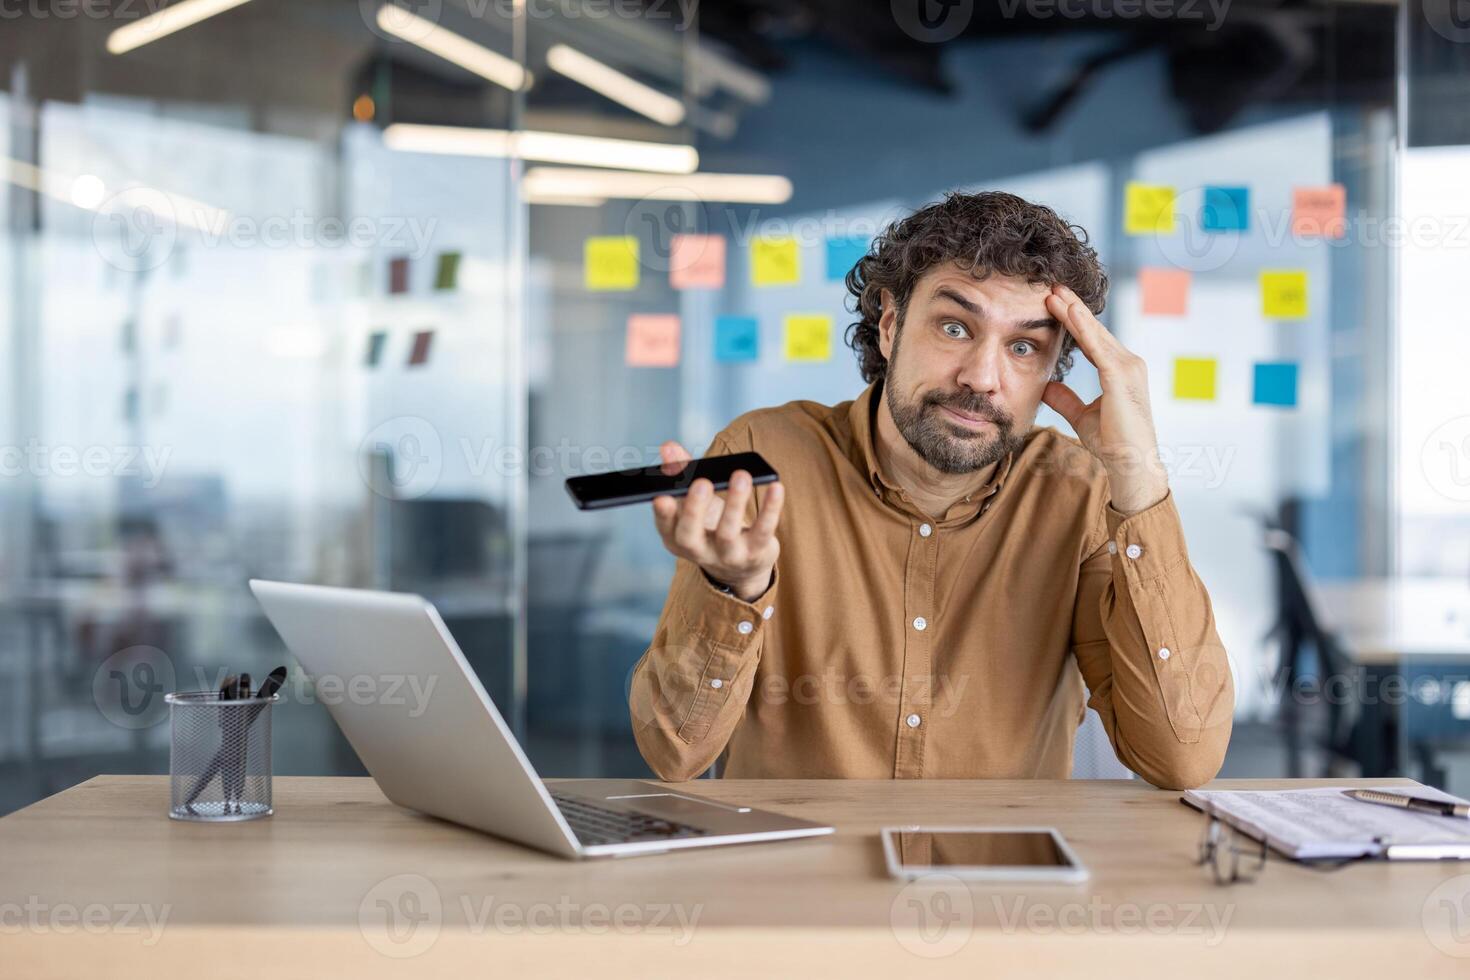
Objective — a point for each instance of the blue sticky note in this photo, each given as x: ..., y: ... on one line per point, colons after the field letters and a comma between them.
x: 1226, y: 209
x: 843, y: 254
x: 1275, y: 384
x: 737, y: 338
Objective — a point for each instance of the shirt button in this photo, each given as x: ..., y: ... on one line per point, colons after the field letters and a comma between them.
x: 1112, y: 547
x: 920, y: 623
x: 912, y: 721
x: 925, y: 530
x: 1163, y: 653
x: 768, y: 612
x: 716, y: 683
x: 1133, y: 551
x: 745, y: 626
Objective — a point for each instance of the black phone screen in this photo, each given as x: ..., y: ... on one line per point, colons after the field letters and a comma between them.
x: 647, y: 482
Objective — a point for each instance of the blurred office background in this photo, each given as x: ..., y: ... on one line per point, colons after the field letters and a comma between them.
x: 320, y: 290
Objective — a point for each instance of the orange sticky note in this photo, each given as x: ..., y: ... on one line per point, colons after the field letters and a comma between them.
x: 1319, y: 212
x: 653, y: 340
x: 1165, y: 291
x: 697, y: 262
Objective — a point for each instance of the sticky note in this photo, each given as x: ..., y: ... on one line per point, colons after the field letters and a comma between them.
x: 376, y: 342
x: 421, y: 343
x: 808, y: 337
x: 398, y: 276
x: 611, y: 263
x: 843, y: 253
x: 1226, y: 209
x: 1275, y: 384
x: 447, y: 275
x: 1148, y: 209
x: 1165, y: 291
x: 1194, y: 378
x: 774, y: 262
x: 653, y: 340
x: 1319, y: 212
x: 737, y: 338
x: 1284, y: 294
x: 697, y: 262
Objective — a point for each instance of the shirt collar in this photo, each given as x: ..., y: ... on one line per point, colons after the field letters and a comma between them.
x: 862, y: 423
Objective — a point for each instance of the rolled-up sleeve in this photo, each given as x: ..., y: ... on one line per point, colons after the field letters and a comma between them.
x: 1144, y: 636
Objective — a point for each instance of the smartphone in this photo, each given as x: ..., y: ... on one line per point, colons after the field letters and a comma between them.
x: 602, y: 490
x: 1019, y: 854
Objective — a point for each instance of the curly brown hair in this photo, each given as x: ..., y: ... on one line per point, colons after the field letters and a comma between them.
x: 990, y: 233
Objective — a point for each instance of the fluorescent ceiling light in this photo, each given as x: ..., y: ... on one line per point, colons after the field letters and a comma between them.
x: 587, y: 151
x: 472, y: 57
x: 608, y: 81
x: 713, y: 69
x: 542, y: 183
x: 554, y: 200
x: 162, y: 23
x: 89, y: 193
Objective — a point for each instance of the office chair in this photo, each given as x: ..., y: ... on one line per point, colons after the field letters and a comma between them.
x: 1092, y: 753
x: 1299, y: 624
x: 562, y: 691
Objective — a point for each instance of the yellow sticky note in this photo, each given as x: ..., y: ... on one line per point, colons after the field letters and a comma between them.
x: 653, y: 340
x: 808, y: 338
x: 1284, y: 294
x: 1148, y: 209
x: 1194, y: 378
x: 612, y: 263
x: 775, y: 262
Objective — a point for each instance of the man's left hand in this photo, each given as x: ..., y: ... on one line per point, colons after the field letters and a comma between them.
x: 1118, y: 426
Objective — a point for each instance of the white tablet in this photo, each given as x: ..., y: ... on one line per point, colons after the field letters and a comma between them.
x: 1023, y: 854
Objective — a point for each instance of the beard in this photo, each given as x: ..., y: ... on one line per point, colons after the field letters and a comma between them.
x: 946, y: 445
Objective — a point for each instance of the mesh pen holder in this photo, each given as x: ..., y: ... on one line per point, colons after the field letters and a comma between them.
x: 220, y: 760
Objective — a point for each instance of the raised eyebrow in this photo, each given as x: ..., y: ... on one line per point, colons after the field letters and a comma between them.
x: 944, y: 292
x: 1045, y: 323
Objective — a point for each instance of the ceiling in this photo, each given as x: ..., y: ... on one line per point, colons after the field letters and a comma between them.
x: 300, y: 63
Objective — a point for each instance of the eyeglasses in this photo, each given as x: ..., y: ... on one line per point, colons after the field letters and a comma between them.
x: 1231, y: 855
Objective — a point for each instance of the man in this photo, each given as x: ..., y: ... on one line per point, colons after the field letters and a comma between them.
x: 927, y: 589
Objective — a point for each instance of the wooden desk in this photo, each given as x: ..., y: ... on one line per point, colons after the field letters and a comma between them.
x: 1383, y: 621
x: 307, y: 893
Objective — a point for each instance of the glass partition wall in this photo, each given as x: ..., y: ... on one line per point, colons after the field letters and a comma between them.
x: 342, y: 292
x: 244, y: 336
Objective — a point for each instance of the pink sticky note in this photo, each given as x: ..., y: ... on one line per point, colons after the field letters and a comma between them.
x: 1165, y: 291
x: 653, y: 340
x: 1319, y: 212
x: 697, y: 262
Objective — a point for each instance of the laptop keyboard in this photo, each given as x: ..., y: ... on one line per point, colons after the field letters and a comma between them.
x: 595, y: 824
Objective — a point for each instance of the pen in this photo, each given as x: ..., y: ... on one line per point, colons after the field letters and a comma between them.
x: 268, y: 688
x: 1441, y: 807
x: 237, y: 787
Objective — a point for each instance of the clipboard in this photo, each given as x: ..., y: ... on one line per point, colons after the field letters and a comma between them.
x: 1323, y: 824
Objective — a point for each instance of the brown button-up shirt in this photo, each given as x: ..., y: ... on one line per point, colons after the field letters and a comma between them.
x: 896, y: 645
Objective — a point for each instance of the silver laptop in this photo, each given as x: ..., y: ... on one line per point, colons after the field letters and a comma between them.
x: 423, y: 725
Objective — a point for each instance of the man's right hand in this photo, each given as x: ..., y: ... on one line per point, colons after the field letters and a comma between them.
x: 712, y: 533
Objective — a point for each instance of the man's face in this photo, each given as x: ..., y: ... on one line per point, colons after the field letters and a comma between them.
x: 968, y: 367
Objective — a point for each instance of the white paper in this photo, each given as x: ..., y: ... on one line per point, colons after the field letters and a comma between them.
x: 1325, y: 822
